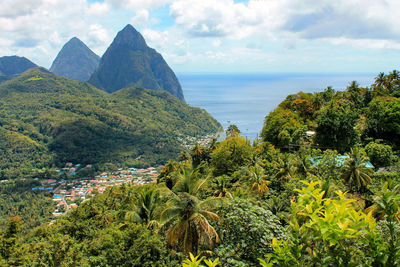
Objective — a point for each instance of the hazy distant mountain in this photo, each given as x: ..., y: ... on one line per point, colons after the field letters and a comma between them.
x: 13, y: 65
x: 75, y: 61
x: 130, y: 62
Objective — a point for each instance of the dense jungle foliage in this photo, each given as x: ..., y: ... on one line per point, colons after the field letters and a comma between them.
x: 17, y: 198
x: 49, y: 120
x: 291, y: 199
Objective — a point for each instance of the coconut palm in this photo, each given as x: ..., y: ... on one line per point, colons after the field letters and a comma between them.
x: 167, y: 174
x: 395, y: 75
x: 189, y: 181
x: 380, y: 79
x: 256, y: 178
x: 355, y: 173
x: 286, y: 168
x: 186, y: 216
x: 187, y: 219
x: 197, y: 153
x: 221, y: 183
x: 146, y: 208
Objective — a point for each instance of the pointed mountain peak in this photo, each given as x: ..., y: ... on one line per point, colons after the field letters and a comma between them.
x: 74, y: 43
x: 131, y: 38
x: 129, y: 62
x: 75, y: 61
x: 75, y: 40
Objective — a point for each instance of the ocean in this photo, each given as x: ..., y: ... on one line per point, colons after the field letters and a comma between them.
x: 245, y: 99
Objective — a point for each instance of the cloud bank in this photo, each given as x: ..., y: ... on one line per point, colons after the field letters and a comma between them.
x: 193, y: 30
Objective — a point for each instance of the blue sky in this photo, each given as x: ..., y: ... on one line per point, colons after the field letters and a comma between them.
x: 224, y: 36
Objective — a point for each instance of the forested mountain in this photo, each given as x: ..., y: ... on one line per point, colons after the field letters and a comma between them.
x: 47, y: 119
x: 130, y: 62
x: 13, y: 65
x: 75, y: 61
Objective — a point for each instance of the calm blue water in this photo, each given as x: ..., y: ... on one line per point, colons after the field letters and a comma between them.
x: 245, y: 99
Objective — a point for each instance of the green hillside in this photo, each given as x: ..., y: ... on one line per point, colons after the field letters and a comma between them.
x: 47, y: 119
x: 286, y: 200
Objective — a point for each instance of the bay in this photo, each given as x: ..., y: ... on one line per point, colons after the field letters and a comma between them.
x: 245, y: 99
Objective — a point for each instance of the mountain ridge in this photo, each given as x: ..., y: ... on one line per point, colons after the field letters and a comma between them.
x: 10, y: 66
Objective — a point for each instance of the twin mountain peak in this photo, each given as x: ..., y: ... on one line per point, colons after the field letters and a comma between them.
x: 128, y: 62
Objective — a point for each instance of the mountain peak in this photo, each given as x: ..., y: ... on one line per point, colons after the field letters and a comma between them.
x: 75, y: 40
x: 13, y: 65
x: 75, y: 61
x: 131, y: 38
x: 129, y: 62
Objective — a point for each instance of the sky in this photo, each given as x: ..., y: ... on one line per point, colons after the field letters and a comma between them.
x: 216, y: 36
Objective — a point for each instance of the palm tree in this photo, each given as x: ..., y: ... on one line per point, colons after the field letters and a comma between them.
x: 286, y: 168
x: 221, y: 183
x: 197, y: 153
x: 355, y: 173
x: 167, y: 173
x: 189, y: 181
x: 257, y: 179
x: 188, y: 218
x: 395, y: 75
x: 380, y: 79
x: 146, y: 209
x: 303, y: 162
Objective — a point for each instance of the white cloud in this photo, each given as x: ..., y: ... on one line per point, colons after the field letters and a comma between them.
x: 141, y: 17
x: 224, y: 18
x: 138, y: 4
x: 290, y: 20
x: 366, y: 43
x: 98, y: 33
x: 157, y: 39
x: 99, y: 9
x: 12, y: 8
x: 216, y: 43
x: 39, y: 28
x: 242, y: 32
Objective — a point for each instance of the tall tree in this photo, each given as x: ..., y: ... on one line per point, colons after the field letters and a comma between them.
x: 380, y: 79
x: 145, y: 211
x: 286, y: 168
x: 256, y: 178
x: 355, y: 172
x: 336, y: 127
x: 188, y: 218
x: 232, y: 131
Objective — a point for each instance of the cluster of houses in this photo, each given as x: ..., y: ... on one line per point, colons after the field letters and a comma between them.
x: 187, y: 142
x: 70, y: 193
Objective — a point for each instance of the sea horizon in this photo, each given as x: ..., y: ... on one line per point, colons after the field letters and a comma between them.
x: 244, y: 99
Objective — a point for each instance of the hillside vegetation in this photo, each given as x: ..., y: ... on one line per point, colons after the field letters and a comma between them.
x: 291, y: 199
x: 46, y: 119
